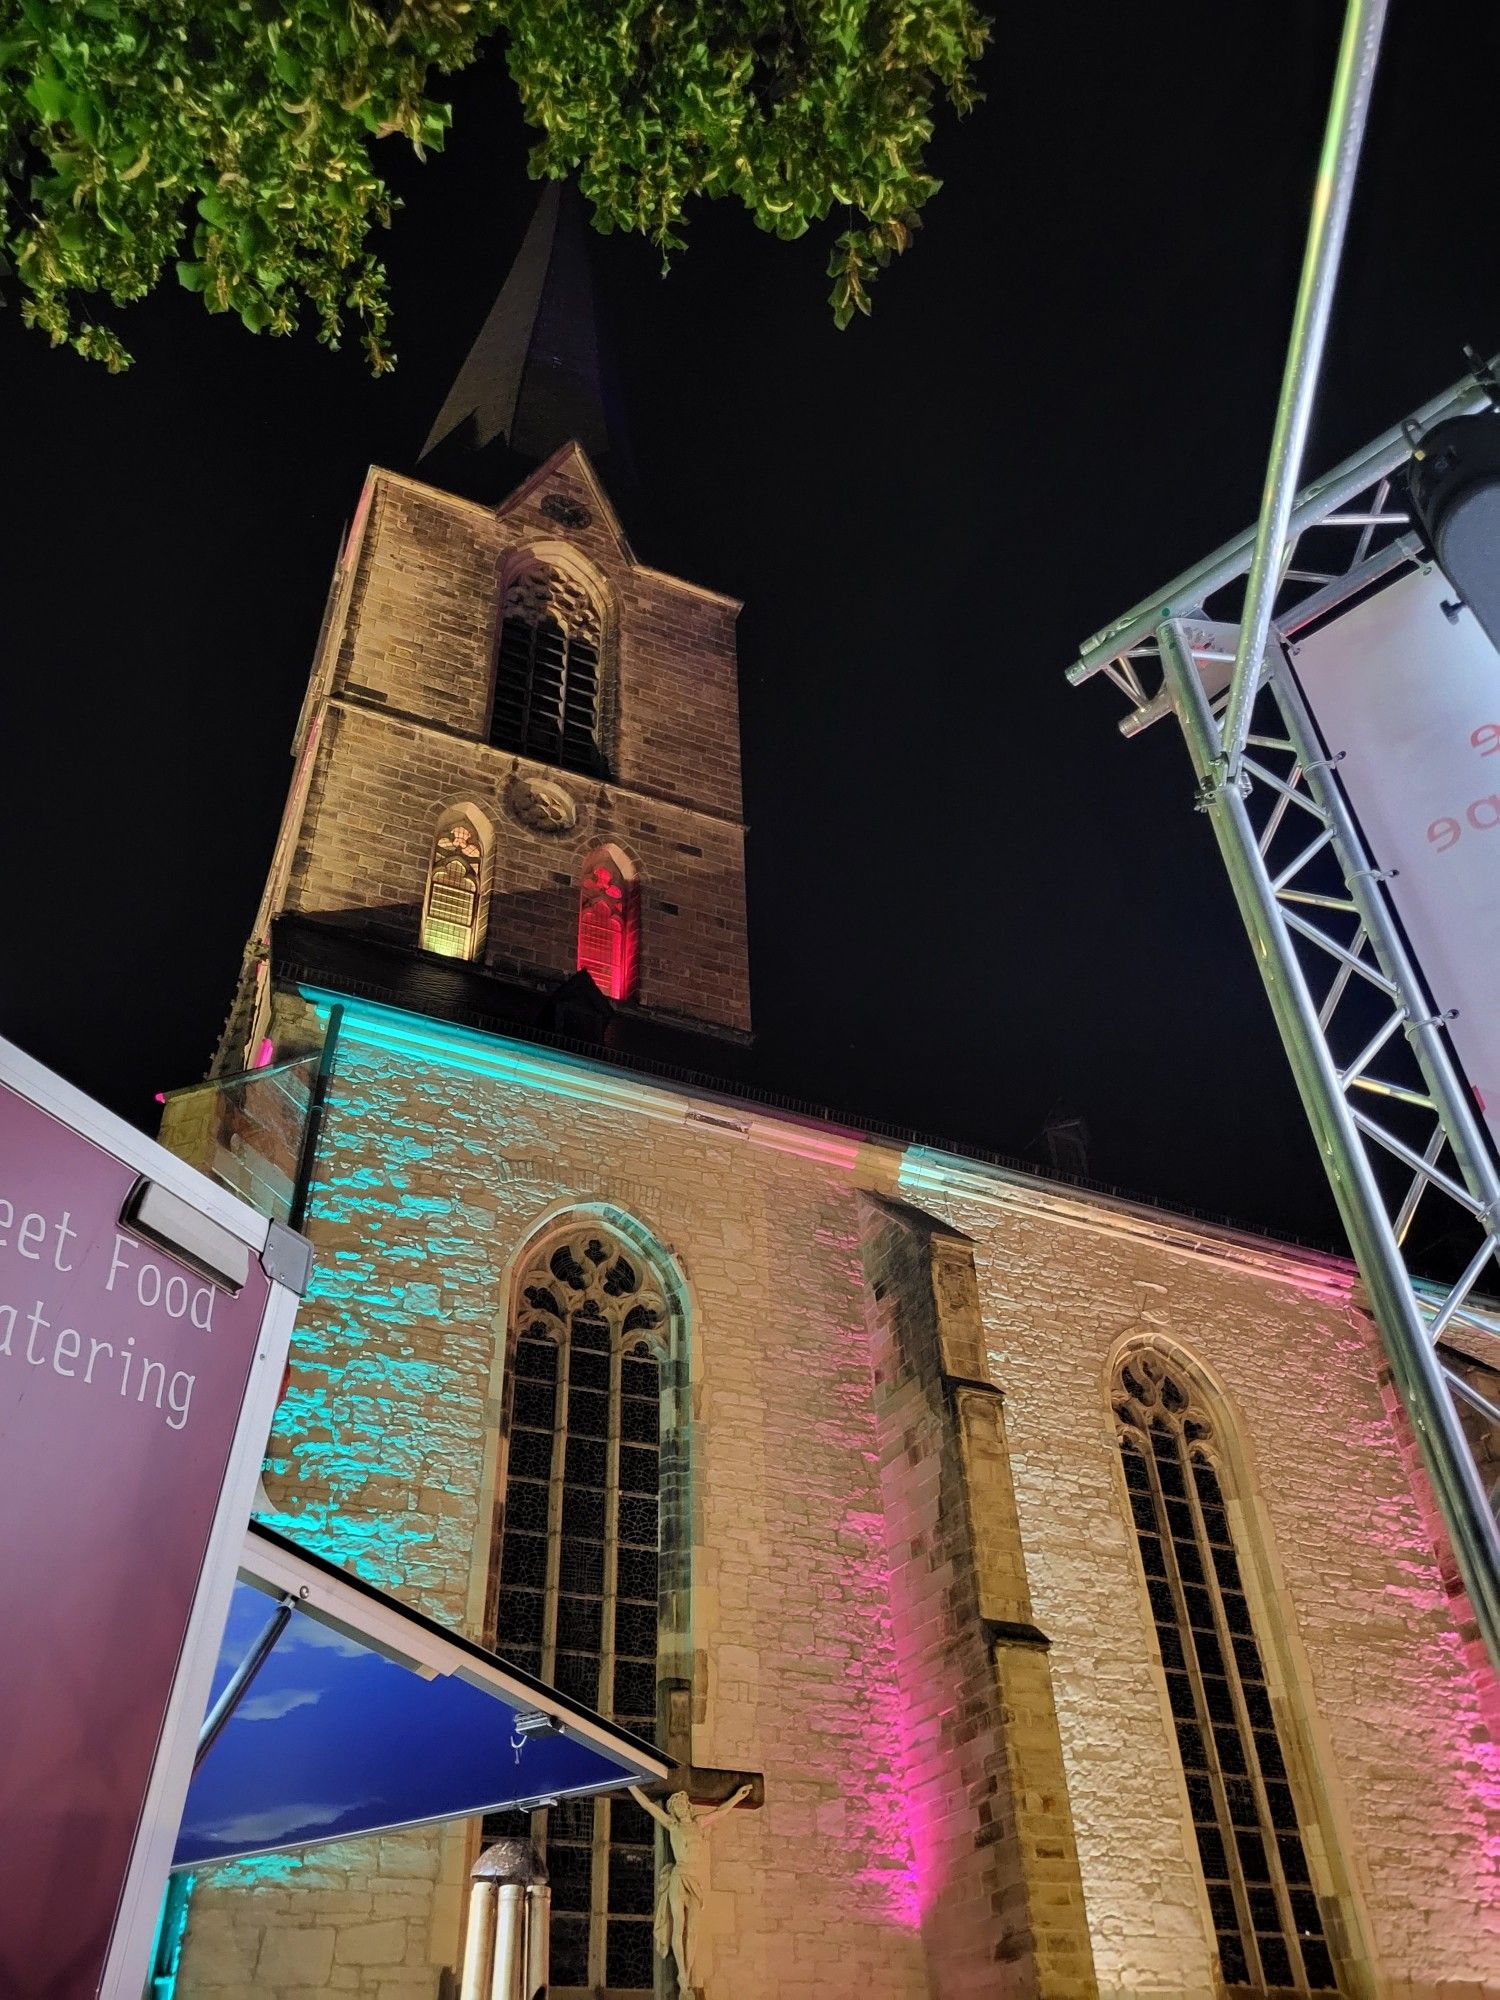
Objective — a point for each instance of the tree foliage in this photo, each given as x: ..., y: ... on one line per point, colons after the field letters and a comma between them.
x: 236, y: 138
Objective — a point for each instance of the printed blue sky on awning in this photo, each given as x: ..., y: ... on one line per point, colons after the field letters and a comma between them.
x: 335, y: 1737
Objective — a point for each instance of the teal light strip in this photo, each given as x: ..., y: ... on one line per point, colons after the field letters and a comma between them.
x: 468, y: 1052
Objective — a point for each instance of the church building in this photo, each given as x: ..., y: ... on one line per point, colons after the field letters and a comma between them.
x: 1056, y: 1572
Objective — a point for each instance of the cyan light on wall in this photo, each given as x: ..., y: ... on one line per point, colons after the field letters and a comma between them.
x: 465, y: 1052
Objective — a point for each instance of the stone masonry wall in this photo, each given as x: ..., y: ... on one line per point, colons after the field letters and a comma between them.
x: 1372, y: 1657
x: 997, y: 1866
x: 432, y: 1180
x: 429, y: 1187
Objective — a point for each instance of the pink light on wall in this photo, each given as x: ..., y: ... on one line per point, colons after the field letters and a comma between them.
x: 891, y: 1873
x: 265, y: 1055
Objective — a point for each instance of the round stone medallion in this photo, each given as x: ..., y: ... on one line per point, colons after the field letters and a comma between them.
x: 539, y: 806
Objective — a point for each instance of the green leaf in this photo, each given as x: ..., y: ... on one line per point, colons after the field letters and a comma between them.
x: 51, y: 97
x: 242, y: 139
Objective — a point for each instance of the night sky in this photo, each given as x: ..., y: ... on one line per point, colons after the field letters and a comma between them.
x: 971, y: 901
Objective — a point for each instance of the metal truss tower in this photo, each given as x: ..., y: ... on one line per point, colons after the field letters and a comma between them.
x: 1392, y: 1113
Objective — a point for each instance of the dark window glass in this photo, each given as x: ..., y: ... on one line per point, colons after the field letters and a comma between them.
x: 523, y: 1621
x: 628, y: 1963
x: 570, y: 1950
x: 578, y: 1624
x: 585, y: 1302
x: 628, y: 1825
x: 635, y: 1687
x: 537, y: 1358
x: 534, y: 1406
x: 1275, y: 1961
x: 571, y: 1873
x: 526, y: 1507
x: 583, y: 1515
x: 1267, y: 1922
x: 1319, y: 1965
x: 1231, y: 1957
x: 635, y: 1630
x: 632, y: 1880
x: 530, y: 1455
x: 638, y: 1518
x: 524, y: 1566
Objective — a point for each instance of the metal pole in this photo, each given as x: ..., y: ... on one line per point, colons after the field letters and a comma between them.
x: 1347, y: 111
x: 1418, y: 1377
x: 239, y: 1681
x: 307, y: 1154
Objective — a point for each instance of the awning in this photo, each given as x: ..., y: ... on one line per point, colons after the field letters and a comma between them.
x: 363, y: 1716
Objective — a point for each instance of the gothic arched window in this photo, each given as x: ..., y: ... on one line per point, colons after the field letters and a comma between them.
x: 579, y: 1568
x: 546, y: 702
x: 609, y: 923
x: 1269, y: 1928
x: 453, y: 908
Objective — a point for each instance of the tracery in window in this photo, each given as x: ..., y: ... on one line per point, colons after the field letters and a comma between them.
x: 1268, y: 1925
x: 453, y: 907
x: 579, y: 1584
x: 546, y: 702
x: 609, y: 923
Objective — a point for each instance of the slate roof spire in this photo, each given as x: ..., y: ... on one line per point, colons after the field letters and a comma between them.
x: 534, y: 378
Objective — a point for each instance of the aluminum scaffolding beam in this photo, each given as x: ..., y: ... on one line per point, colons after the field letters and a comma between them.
x: 1349, y: 1001
x: 1392, y: 1113
x: 1348, y: 110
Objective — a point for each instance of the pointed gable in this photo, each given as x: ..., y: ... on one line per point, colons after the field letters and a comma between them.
x: 565, y: 498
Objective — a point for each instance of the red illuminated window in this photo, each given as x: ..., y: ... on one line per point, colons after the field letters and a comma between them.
x: 608, y: 923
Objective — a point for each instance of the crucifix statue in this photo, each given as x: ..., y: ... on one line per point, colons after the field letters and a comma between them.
x: 679, y: 1895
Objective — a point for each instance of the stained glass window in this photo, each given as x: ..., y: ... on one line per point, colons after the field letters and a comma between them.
x: 1269, y: 1929
x: 546, y: 700
x: 609, y: 923
x: 453, y: 909
x: 577, y: 1602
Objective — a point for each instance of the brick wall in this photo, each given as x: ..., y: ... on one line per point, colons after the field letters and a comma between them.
x: 378, y: 789
x: 403, y: 703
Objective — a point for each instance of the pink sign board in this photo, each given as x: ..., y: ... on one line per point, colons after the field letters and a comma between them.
x: 123, y: 1373
x: 1406, y: 691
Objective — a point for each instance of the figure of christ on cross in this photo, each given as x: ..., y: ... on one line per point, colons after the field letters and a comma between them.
x: 679, y: 1894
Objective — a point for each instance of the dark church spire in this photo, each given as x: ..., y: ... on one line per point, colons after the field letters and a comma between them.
x: 533, y: 379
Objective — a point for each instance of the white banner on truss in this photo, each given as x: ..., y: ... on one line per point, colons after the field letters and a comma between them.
x: 1406, y: 691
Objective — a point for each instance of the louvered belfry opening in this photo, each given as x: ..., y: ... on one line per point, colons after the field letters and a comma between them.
x: 1269, y: 1928
x: 547, y: 680
x: 578, y: 1595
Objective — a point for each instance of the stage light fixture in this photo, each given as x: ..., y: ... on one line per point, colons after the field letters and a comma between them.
x: 1455, y: 489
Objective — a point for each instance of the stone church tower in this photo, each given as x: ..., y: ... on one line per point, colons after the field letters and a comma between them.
x: 1054, y: 1568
